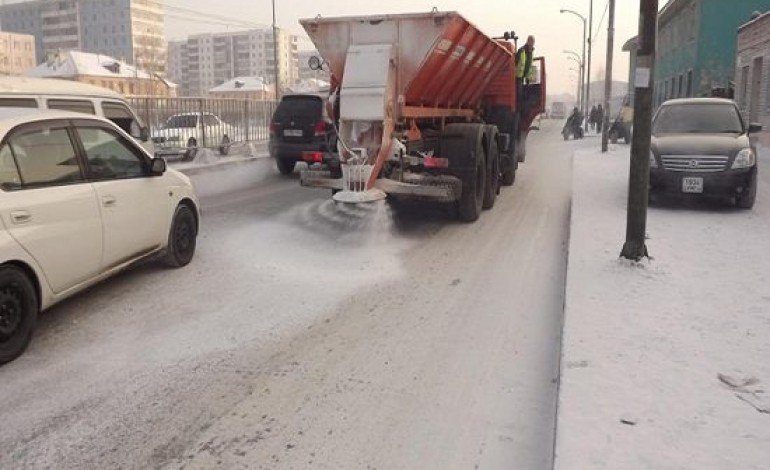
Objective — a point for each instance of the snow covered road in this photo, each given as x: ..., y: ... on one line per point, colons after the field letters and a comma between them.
x: 304, y: 335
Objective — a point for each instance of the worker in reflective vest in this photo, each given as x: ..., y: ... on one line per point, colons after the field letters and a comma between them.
x: 524, y: 70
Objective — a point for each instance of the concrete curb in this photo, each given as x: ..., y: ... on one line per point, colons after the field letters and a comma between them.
x: 194, y: 169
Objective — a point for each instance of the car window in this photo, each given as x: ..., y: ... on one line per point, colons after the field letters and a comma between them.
x: 109, y: 155
x: 9, y: 173
x: 306, y: 106
x: 45, y: 157
x: 18, y: 103
x: 122, y: 117
x: 182, y: 121
x: 210, y: 120
x: 77, y: 106
x: 697, y: 118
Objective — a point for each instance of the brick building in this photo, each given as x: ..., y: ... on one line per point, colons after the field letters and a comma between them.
x: 752, y: 69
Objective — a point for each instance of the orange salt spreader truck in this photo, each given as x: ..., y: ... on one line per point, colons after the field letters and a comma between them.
x: 425, y: 106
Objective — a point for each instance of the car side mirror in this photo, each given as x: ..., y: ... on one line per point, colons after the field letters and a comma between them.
x: 754, y: 128
x: 157, y: 166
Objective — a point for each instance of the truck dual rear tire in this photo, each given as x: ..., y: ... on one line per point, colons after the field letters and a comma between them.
x: 474, y: 176
x: 492, y: 188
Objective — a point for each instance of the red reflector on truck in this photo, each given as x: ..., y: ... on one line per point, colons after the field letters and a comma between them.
x: 435, y: 162
x: 313, y: 157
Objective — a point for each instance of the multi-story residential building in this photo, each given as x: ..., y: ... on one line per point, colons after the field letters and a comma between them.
x: 17, y: 53
x: 752, y: 69
x: 695, y: 53
x: 131, y: 30
x: 204, y: 61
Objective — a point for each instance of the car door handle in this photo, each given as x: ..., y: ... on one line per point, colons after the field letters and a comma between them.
x: 20, y: 217
x: 109, y: 201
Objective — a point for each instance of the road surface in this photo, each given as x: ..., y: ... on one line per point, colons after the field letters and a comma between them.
x: 305, y: 335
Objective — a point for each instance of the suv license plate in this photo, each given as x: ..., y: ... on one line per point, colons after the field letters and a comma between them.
x: 293, y: 132
x: 692, y: 185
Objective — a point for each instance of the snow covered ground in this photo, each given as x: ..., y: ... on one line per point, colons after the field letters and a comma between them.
x: 665, y: 363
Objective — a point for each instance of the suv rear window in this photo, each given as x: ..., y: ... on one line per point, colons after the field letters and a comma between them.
x: 293, y: 106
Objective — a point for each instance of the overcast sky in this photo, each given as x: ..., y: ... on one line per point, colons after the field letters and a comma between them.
x: 554, y: 31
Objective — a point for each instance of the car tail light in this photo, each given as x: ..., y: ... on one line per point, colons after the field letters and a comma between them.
x: 272, y: 128
x: 435, y: 162
x: 313, y: 157
x: 320, y: 129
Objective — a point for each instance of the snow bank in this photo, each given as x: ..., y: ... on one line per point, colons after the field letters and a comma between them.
x: 665, y: 363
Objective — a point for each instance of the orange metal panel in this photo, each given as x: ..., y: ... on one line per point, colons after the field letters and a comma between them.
x: 446, y: 91
x: 428, y: 70
x: 488, y: 58
x: 418, y: 112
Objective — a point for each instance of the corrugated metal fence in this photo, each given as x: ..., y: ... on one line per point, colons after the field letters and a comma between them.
x: 239, y: 120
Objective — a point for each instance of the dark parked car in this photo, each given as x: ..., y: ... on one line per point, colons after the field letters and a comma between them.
x: 701, y: 146
x: 300, y: 128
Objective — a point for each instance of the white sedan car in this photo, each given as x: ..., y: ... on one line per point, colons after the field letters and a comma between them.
x: 182, y: 134
x: 80, y: 200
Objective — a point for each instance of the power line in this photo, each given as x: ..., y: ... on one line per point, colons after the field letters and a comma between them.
x: 604, y: 16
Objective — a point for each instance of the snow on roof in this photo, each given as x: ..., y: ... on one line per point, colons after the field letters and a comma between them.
x: 242, y: 84
x: 310, y: 85
x: 75, y: 63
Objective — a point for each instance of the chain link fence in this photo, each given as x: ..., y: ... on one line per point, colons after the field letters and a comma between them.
x: 204, y: 122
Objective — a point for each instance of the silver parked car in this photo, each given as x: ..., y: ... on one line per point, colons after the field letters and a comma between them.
x: 183, y: 134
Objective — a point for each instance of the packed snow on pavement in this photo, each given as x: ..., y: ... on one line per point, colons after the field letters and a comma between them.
x: 665, y: 362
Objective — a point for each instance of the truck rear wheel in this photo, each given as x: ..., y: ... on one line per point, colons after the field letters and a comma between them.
x: 474, y: 176
x: 492, y: 188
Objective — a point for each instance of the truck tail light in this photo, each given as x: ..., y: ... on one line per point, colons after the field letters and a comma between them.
x: 435, y: 162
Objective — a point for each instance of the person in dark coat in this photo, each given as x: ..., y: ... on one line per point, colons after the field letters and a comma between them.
x: 599, y: 119
x: 592, y: 117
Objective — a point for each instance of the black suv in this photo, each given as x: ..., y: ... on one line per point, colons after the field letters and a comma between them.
x: 300, y: 126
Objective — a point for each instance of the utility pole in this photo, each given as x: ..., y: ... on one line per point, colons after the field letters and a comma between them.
x: 588, y: 72
x: 635, y: 247
x: 275, y: 57
x: 608, y: 76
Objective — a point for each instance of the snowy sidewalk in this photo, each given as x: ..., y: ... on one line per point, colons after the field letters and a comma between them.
x: 207, y: 159
x: 665, y: 364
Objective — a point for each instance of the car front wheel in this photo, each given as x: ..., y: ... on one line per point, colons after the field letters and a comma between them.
x: 18, y: 312
x: 181, y: 238
x: 749, y: 197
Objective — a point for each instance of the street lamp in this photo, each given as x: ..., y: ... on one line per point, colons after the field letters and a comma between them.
x: 574, y: 56
x: 579, y: 96
x: 275, y: 55
x: 586, y: 80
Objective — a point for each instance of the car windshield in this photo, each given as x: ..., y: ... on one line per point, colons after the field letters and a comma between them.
x: 701, y: 118
x: 306, y: 106
x: 182, y: 121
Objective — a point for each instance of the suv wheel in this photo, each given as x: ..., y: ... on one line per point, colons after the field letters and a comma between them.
x: 181, y: 238
x: 286, y: 167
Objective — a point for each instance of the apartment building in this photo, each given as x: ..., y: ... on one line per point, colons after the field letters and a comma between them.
x: 204, y: 61
x: 131, y: 30
x: 17, y: 53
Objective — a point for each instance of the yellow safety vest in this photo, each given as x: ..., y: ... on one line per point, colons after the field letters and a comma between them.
x: 522, y: 64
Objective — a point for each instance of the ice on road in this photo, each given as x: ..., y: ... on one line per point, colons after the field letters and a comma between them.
x: 309, y: 334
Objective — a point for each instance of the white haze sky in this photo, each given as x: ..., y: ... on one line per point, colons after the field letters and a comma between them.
x: 554, y: 31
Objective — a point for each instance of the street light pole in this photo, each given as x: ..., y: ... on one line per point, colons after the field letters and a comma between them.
x: 585, y: 79
x: 588, y: 72
x: 635, y: 247
x: 275, y: 57
x: 579, y: 96
x: 608, y: 76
